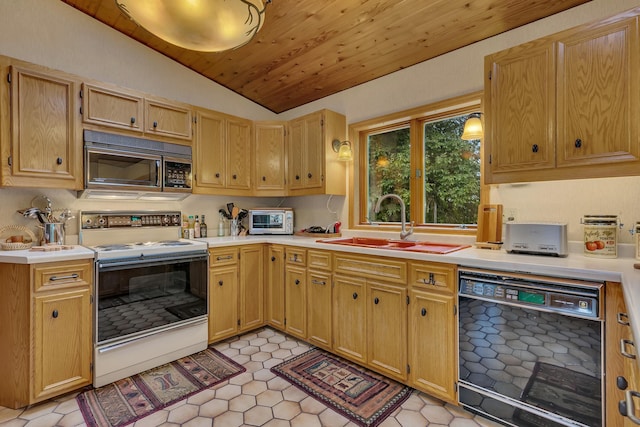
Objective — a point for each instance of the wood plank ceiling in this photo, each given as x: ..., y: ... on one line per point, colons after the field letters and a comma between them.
x: 309, y: 49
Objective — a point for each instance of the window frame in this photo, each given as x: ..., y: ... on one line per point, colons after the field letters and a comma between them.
x: 415, y: 119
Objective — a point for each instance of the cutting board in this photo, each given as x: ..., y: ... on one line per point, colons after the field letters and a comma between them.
x: 489, y: 226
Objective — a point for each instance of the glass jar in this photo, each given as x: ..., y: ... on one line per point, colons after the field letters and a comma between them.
x: 600, y: 236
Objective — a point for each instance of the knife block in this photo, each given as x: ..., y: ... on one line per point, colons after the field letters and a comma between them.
x: 489, y: 235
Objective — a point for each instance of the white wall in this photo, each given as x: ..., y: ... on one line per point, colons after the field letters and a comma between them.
x: 52, y: 33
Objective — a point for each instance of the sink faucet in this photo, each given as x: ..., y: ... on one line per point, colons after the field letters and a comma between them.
x: 403, y: 233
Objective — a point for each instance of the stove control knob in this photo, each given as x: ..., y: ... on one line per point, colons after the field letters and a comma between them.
x: 102, y: 221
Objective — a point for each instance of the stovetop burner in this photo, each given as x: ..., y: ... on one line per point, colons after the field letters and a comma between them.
x: 115, y: 247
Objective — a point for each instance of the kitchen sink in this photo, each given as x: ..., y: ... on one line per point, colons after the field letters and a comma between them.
x: 402, y: 245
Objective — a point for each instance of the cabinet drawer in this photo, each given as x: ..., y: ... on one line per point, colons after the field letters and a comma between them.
x: 62, y: 275
x: 223, y: 256
x: 371, y: 267
x: 433, y: 276
x: 296, y: 256
x: 319, y: 260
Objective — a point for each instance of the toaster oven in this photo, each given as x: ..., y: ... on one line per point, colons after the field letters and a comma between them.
x: 271, y: 221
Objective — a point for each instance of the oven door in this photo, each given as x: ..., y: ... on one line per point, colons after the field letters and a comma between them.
x: 525, y: 367
x: 108, y: 168
x: 139, y: 296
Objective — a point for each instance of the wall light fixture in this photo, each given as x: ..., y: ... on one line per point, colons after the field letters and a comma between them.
x: 343, y: 148
x: 472, y: 128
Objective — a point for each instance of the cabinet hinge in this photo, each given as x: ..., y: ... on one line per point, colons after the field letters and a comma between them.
x: 81, y: 94
x: 238, y: 322
x: 321, y: 122
x: 489, y: 74
x: 91, y: 366
x: 285, y: 321
x: 8, y: 77
x: 490, y: 159
x: 195, y: 119
x: 407, y: 299
x: 81, y: 110
x: 10, y: 161
x: 91, y: 299
x: 418, y: 173
x: 455, y: 310
x: 455, y: 386
x: 408, y: 368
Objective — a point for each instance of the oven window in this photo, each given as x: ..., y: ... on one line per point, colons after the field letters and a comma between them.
x: 267, y: 221
x: 141, y: 297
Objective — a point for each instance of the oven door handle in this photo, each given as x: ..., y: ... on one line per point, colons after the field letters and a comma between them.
x: 152, y: 261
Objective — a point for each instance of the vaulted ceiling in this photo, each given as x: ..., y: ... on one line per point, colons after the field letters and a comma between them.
x: 309, y: 49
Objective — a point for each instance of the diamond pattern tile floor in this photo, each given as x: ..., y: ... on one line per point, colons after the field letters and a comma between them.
x: 254, y: 398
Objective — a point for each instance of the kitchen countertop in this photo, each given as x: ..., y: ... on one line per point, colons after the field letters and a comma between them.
x: 36, y: 257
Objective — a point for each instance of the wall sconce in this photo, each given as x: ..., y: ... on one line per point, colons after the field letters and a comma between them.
x: 343, y: 148
x: 472, y: 128
x: 206, y: 26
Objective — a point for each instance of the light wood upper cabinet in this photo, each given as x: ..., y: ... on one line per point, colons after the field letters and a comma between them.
x: 269, y: 159
x: 313, y: 167
x: 598, y: 98
x: 109, y: 107
x: 222, y: 159
x: 565, y: 106
x: 44, y: 147
x: 168, y: 119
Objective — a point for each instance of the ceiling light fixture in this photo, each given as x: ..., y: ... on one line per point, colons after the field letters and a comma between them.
x: 202, y: 25
x: 343, y: 148
x: 472, y: 128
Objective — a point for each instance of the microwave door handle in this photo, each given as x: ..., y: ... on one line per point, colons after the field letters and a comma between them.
x: 159, y: 174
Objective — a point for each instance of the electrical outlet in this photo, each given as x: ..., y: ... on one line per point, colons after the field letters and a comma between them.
x: 511, y: 215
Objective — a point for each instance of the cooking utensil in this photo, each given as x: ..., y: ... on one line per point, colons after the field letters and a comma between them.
x: 225, y: 214
x: 234, y: 212
x: 34, y: 213
x: 230, y: 208
x: 43, y: 203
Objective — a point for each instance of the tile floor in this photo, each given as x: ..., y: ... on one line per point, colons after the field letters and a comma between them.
x: 254, y: 398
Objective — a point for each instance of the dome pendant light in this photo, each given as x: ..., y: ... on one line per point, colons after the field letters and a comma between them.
x: 202, y: 25
x: 472, y: 128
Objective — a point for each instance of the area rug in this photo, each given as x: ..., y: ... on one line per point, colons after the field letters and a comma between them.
x: 571, y: 394
x: 364, y: 397
x: 127, y: 400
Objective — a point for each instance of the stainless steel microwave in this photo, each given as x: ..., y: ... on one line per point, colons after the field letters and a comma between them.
x: 271, y: 221
x: 123, y: 163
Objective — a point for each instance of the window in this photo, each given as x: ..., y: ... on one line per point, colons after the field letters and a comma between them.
x: 419, y: 156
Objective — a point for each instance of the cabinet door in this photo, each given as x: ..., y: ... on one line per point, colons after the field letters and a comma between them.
x: 387, y: 329
x: 520, y: 126
x: 319, y: 308
x: 295, y: 302
x: 106, y: 107
x: 275, y: 287
x: 598, y: 95
x: 223, y: 302
x: 269, y: 150
x: 62, y: 343
x: 313, y: 159
x: 349, y: 318
x: 239, y: 154
x: 210, y: 152
x: 46, y: 147
x: 251, y: 287
x: 295, y: 153
x: 170, y: 120
x: 432, y: 345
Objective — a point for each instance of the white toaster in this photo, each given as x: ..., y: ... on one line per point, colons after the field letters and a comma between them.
x: 537, y: 238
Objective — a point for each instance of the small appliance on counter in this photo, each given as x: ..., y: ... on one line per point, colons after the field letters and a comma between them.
x: 271, y: 221
x: 536, y: 238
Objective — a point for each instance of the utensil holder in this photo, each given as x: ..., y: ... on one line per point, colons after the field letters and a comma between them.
x: 234, y: 227
x: 53, y: 232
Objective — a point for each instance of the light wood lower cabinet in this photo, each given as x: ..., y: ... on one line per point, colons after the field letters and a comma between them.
x: 319, y: 299
x: 236, y: 294
x: 349, y: 318
x: 46, y: 334
x: 274, y: 292
x: 295, y: 295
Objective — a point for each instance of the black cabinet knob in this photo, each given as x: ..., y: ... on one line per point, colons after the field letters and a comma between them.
x: 376, y: 300
x: 59, y: 160
x: 264, y: 178
x: 621, y: 383
x: 297, y: 281
x: 423, y: 312
x: 235, y: 176
x: 355, y: 295
x: 622, y: 408
x: 54, y: 314
x: 309, y: 175
x: 155, y: 125
x: 298, y: 177
x: 133, y: 120
x: 273, y: 258
x: 217, y: 175
x: 220, y: 282
x: 578, y: 143
x: 534, y: 148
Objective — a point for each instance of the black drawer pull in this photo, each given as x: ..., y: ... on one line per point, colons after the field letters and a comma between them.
x: 133, y: 120
x: 54, y: 314
x: 318, y: 282
x: 69, y: 276
x: 621, y: 319
x: 155, y: 125
x: 222, y: 258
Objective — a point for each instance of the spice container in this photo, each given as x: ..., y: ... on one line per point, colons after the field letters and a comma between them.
x: 601, y: 236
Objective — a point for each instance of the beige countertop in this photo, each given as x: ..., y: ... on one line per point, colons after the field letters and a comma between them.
x: 35, y: 257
